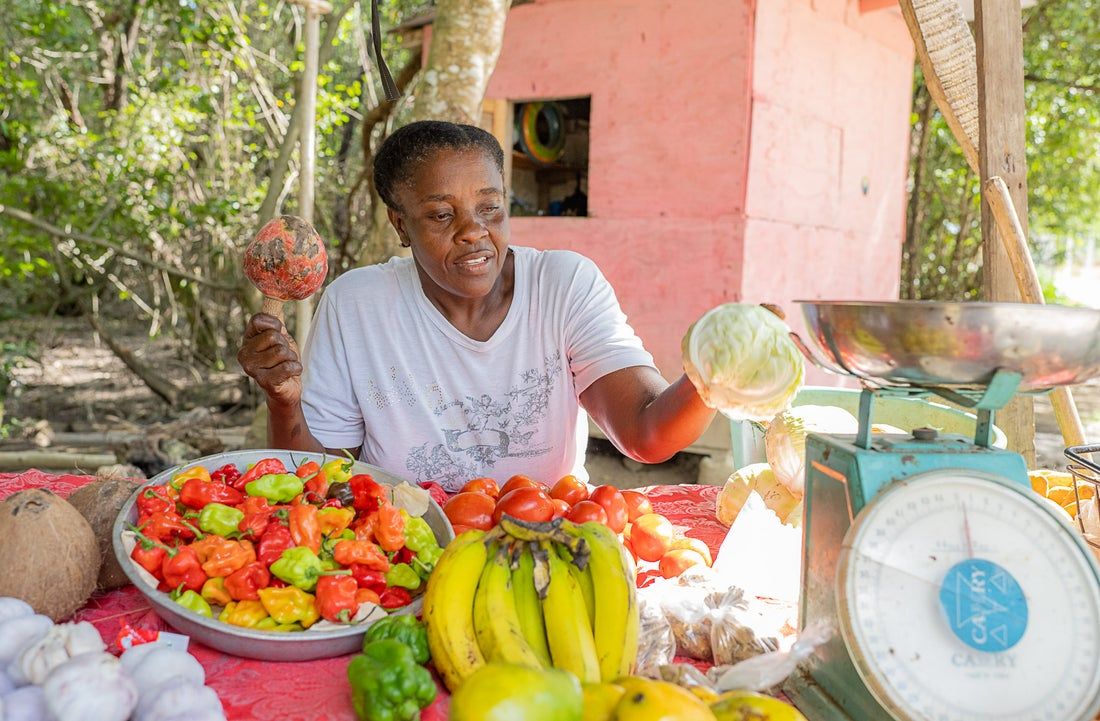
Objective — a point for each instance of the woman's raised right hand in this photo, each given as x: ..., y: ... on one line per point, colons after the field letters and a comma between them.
x: 270, y: 356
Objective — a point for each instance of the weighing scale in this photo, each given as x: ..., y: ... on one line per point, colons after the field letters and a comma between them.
x: 957, y: 593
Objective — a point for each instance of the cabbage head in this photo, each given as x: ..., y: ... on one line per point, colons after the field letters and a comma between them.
x: 743, y: 362
x: 757, y: 478
x: 785, y: 439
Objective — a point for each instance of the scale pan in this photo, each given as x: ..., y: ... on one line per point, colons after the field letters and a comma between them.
x: 961, y: 345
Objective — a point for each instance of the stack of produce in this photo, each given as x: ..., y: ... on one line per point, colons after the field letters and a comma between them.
x: 388, y: 680
x: 280, y: 551
x: 1062, y: 489
x: 646, y: 535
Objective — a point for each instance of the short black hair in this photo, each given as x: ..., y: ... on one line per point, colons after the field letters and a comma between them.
x: 411, y: 144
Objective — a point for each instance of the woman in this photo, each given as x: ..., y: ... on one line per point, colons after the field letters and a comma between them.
x: 471, y: 358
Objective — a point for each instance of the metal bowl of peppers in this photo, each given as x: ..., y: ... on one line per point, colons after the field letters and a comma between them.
x: 263, y: 644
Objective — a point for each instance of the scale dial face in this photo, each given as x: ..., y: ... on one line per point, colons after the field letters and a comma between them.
x: 962, y: 597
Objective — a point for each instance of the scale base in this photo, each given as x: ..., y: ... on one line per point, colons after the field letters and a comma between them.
x: 813, y: 700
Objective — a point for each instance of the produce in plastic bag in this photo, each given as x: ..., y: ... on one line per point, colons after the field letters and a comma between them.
x: 771, y: 669
x: 656, y: 643
x: 757, y: 477
x: 785, y: 439
x: 742, y: 361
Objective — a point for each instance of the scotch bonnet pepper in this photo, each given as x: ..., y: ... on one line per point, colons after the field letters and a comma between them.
x: 336, y: 598
x: 403, y: 629
x: 289, y: 605
x: 276, y: 487
x: 301, y: 567
x: 403, y: 575
x: 265, y: 467
x: 197, y: 493
x: 243, y: 613
x: 387, y: 684
x: 194, y: 602
x: 220, y: 519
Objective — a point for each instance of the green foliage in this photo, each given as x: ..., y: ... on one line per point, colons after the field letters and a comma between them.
x: 942, y: 258
x: 12, y: 356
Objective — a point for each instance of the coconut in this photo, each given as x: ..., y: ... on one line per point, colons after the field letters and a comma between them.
x: 99, y: 502
x: 48, y: 553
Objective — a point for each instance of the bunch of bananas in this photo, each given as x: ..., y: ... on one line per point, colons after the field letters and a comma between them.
x: 542, y: 595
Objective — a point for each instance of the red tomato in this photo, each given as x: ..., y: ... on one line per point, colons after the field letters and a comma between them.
x: 561, y: 508
x: 636, y: 504
x: 526, y: 504
x: 629, y: 549
x: 470, y: 509
x: 459, y: 530
x: 570, y: 489
x: 651, y: 536
x: 612, y: 501
x: 586, y: 511
x: 519, y: 482
x: 482, y: 485
x: 679, y: 560
x: 693, y: 544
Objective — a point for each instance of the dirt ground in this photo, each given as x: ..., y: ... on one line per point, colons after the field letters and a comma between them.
x: 77, y: 385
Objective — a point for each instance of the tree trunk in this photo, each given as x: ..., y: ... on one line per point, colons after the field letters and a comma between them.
x: 914, y: 228
x: 115, y: 96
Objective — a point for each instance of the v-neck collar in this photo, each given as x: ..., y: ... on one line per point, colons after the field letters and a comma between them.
x: 414, y: 293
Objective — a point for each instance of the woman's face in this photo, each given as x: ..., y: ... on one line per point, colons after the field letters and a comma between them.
x: 453, y: 217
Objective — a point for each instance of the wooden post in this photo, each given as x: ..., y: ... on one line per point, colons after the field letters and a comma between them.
x: 998, y: 28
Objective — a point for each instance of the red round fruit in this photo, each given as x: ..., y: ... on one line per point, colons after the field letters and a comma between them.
x: 612, y: 501
x: 470, y: 509
x: 636, y: 504
x: 570, y: 489
x: 286, y: 260
x: 482, y: 485
x: 586, y: 511
x: 651, y: 536
x: 679, y: 560
x: 561, y: 508
x: 519, y: 482
x: 526, y: 504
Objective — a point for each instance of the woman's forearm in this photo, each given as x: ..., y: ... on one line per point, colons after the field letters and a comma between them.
x: 287, y: 429
x: 672, y: 421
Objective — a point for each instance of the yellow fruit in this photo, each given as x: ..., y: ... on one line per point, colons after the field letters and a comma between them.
x: 600, y: 700
x: 647, y: 700
x: 1086, y: 490
x: 503, y: 692
x: 1038, y: 482
x: 704, y: 694
x: 1071, y: 509
x: 1061, y: 494
x: 747, y: 706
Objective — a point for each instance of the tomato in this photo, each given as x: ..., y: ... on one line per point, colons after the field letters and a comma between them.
x: 613, y: 503
x: 482, y: 485
x: 526, y: 504
x: 636, y: 504
x: 470, y: 509
x: 679, y: 560
x: 561, y: 508
x: 519, y: 482
x: 586, y: 511
x: 570, y: 489
x: 459, y: 530
x: 630, y: 549
x: 651, y: 536
x: 693, y: 544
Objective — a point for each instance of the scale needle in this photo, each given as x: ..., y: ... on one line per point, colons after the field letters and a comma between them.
x: 966, y: 532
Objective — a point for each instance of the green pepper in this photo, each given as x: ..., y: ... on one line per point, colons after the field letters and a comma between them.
x: 195, y: 602
x: 387, y: 684
x: 299, y: 567
x: 270, y: 624
x: 404, y: 629
x: 276, y: 487
x: 401, y: 574
x: 328, y: 544
x: 420, y: 539
x: 220, y: 519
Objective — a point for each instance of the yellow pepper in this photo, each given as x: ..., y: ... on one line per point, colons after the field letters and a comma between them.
x: 243, y: 613
x: 334, y: 520
x: 289, y: 605
x: 184, y: 476
x: 214, y: 592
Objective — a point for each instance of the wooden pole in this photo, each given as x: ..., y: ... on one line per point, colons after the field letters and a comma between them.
x: 1001, y: 113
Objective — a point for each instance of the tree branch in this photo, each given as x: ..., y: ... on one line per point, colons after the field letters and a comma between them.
x: 163, y: 387
x: 1062, y: 83
x: 61, y: 233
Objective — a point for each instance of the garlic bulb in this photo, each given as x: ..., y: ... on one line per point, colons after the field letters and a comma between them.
x: 159, y: 664
x: 18, y: 633
x: 25, y: 704
x: 60, y: 643
x: 6, y: 685
x: 90, y: 687
x: 172, y: 699
x: 14, y: 608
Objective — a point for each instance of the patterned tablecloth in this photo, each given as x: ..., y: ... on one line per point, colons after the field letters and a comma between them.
x: 311, y: 690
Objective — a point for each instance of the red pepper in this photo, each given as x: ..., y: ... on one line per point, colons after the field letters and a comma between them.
x: 227, y: 474
x: 155, y: 499
x: 368, y: 577
x: 367, y: 492
x: 277, y: 583
x: 305, y: 529
x: 267, y: 465
x: 244, y: 583
x: 336, y: 598
x: 308, y: 469
x: 182, y: 568
x: 332, y: 503
x: 405, y: 555
x: 365, y: 553
x: 197, y: 493
x: 150, y: 557
x: 435, y: 491
x: 394, y: 597
x: 167, y: 525
x: 390, y: 532
x: 257, y: 515
x: 275, y: 540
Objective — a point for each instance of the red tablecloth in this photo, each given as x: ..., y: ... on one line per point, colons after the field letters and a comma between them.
x: 311, y: 690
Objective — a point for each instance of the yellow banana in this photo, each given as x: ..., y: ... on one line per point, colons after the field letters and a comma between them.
x: 615, y: 628
x: 528, y: 607
x: 568, y: 631
x: 584, y: 580
x: 496, y: 622
x: 448, y: 604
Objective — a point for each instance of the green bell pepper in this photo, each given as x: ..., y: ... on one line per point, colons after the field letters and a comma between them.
x: 299, y: 566
x: 387, y: 684
x: 194, y: 602
x: 401, y: 574
x: 276, y: 487
x: 404, y: 629
x: 220, y: 519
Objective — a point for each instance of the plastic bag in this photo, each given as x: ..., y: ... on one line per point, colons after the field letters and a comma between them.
x: 771, y: 669
x: 656, y: 643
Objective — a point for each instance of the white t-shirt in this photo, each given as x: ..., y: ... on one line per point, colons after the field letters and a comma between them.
x: 385, y: 369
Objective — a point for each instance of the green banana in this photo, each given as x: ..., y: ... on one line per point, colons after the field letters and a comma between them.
x: 448, y: 604
x: 568, y: 632
x: 496, y: 621
x: 528, y: 607
x: 615, y: 628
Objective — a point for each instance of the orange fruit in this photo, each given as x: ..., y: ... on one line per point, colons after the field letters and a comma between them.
x: 1061, y: 494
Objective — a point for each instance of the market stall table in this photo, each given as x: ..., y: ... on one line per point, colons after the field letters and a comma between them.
x: 310, y: 690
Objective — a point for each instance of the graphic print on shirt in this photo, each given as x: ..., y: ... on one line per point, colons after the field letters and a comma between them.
x: 479, y: 431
